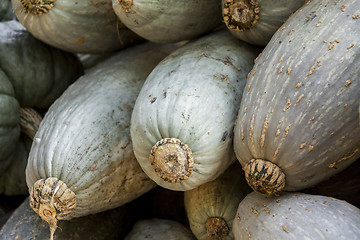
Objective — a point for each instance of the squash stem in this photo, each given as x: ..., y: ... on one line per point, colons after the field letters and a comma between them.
x: 29, y: 121
x: 216, y: 228
x: 264, y: 176
x: 52, y: 200
x: 37, y: 7
x: 241, y: 15
x: 172, y: 160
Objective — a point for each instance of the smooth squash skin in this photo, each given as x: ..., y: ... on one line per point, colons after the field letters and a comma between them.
x: 295, y: 216
x: 157, y: 228
x: 211, y: 207
x: 168, y: 21
x: 82, y: 161
x: 183, y: 118
x: 25, y: 224
x: 84, y: 26
x: 298, y: 122
x: 256, y: 21
x: 32, y: 75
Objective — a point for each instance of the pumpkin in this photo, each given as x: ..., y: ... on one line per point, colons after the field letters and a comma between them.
x: 25, y: 224
x: 211, y: 207
x: 182, y: 122
x: 344, y: 185
x: 168, y: 21
x: 6, y: 12
x: 295, y: 216
x: 77, y: 26
x: 157, y: 228
x: 255, y: 21
x: 32, y: 74
x: 82, y: 161
x: 298, y: 122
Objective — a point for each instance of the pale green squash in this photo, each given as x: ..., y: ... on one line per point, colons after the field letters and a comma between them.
x: 84, y: 26
x: 256, y: 21
x: 211, y: 207
x: 156, y: 228
x: 183, y: 119
x: 168, y: 21
x: 82, y: 160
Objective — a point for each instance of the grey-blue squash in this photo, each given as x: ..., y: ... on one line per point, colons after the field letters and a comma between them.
x: 298, y: 122
x: 295, y: 216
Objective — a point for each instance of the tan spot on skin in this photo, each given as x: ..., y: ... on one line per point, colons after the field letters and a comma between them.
x: 310, y: 71
x: 351, y: 45
x: 348, y: 82
x: 298, y: 85
x: 79, y: 41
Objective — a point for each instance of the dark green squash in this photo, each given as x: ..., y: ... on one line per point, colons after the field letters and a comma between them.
x: 298, y: 122
x: 32, y: 74
x: 113, y: 224
x: 6, y: 12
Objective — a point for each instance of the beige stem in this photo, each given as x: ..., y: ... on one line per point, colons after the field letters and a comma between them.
x: 216, y: 228
x: 172, y: 160
x: 264, y: 176
x: 241, y: 15
x: 52, y: 200
x: 29, y: 121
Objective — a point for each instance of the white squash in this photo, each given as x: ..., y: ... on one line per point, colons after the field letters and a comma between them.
x: 82, y: 161
x: 183, y: 118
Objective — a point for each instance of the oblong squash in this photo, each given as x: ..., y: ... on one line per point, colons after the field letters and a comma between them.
x: 82, y: 161
x: 157, y: 228
x: 256, y: 21
x: 183, y: 118
x: 84, y: 26
x: 295, y: 216
x: 168, y: 21
x: 211, y: 207
x: 32, y: 74
x: 298, y: 122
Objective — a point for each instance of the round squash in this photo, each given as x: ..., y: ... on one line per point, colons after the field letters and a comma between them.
x: 6, y: 12
x: 157, y: 228
x: 211, y: 207
x: 295, y: 216
x: 25, y: 224
x: 298, y: 122
x: 32, y: 74
x: 168, y: 21
x: 255, y: 21
x: 182, y: 122
x: 82, y: 161
x: 84, y: 26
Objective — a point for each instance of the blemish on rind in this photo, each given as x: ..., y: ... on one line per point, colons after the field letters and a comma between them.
x: 299, y: 98
x: 251, y: 126
x: 348, y: 82
x: 263, y: 132
x: 344, y: 158
x: 310, y: 71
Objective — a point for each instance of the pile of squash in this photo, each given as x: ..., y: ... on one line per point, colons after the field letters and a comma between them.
x: 168, y: 119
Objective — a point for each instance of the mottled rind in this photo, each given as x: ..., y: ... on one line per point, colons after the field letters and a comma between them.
x: 264, y: 176
x: 294, y: 216
x: 306, y: 120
